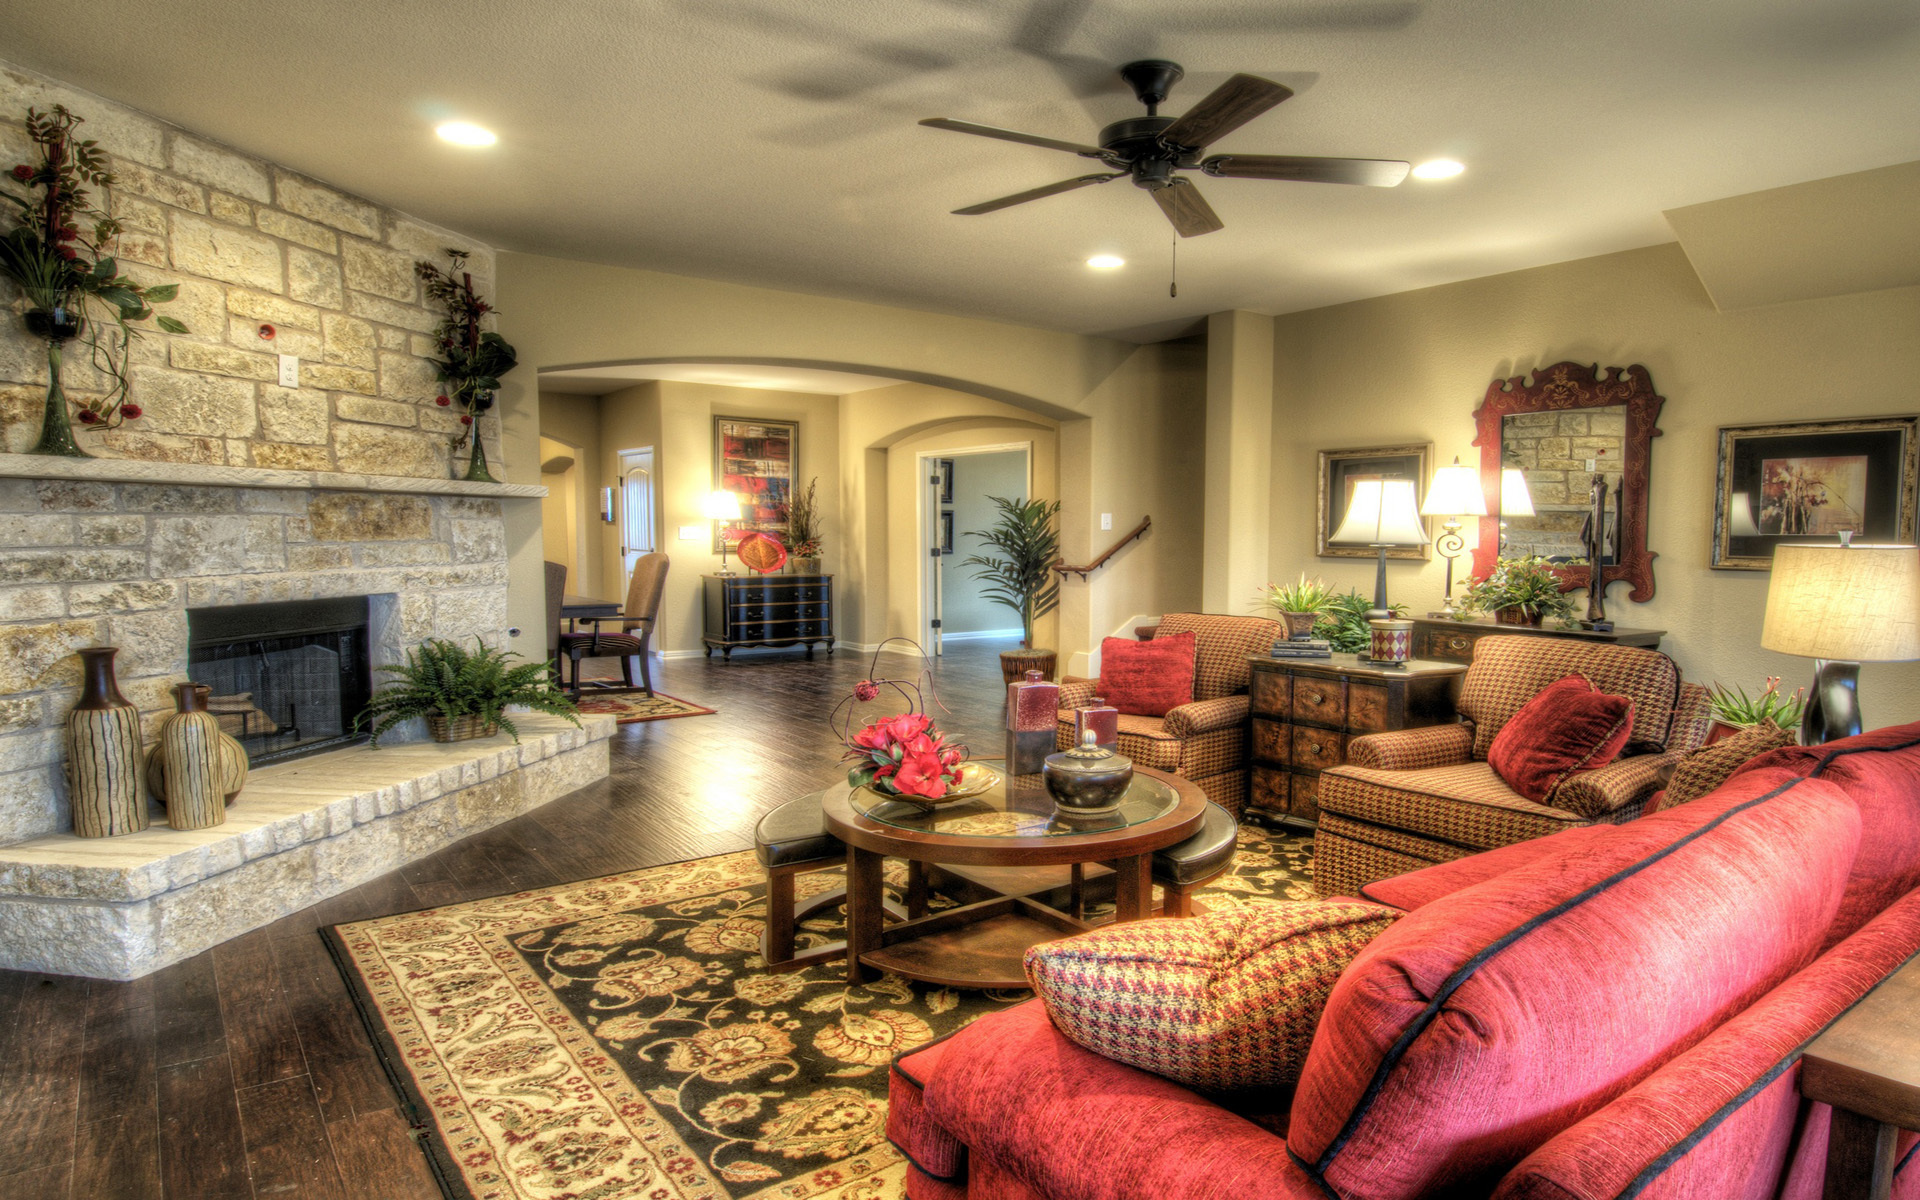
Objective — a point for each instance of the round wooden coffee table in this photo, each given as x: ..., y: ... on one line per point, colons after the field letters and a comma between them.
x: 1004, y: 834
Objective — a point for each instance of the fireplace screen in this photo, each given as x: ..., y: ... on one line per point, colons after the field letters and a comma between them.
x: 287, y: 679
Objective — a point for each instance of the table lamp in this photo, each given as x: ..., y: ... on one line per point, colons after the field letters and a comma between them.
x: 1381, y: 514
x: 1515, y: 499
x: 1454, y: 493
x: 1842, y: 605
x: 723, y: 507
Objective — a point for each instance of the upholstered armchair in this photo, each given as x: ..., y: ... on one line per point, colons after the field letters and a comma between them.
x: 1206, y: 740
x: 1416, y: 797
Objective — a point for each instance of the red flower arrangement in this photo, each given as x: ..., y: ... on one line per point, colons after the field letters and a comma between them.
x: 901, y: 755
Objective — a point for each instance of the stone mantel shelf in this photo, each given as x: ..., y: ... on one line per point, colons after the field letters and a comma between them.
x: 127, y: 470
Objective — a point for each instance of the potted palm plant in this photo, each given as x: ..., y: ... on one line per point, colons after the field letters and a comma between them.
x: 463, y: 694
x: 1025, y: 545
x: 1299, y: 604
x: 1521, y: 591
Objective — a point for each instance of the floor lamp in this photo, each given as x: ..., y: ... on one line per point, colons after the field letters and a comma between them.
x: 1382, y: 514
x: 723, y: 507
x: 1454, y: 493
x: 1842, y: 605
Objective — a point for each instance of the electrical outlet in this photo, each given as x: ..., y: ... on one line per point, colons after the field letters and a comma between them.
x: 1106, y: 520
x: 289, y: 370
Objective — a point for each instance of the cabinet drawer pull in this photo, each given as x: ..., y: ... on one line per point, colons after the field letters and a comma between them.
x: 1317, y: 698
x: 1315, y: 747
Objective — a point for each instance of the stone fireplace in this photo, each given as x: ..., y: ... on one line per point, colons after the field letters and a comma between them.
x: 263, y: 584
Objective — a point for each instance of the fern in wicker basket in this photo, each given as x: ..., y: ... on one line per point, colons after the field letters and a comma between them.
x: 463, y: 694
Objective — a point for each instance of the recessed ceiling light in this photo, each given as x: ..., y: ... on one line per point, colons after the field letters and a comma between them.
x: 1439, y: 168
x: 466, y: 133
x: 1106, y: 262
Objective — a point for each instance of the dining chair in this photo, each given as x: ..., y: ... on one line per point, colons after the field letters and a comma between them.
x: 644, y: 590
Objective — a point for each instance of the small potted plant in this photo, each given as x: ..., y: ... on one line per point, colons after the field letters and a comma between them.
x: 56, y: 252
x: 1299, y: 604
x: 471, y: 360
x: 803, y: 530
x: 463, y: 694
x: 1343, y: 621
x: 1521, y: 591
x: 1021, y: 575
x: 1734, y: 710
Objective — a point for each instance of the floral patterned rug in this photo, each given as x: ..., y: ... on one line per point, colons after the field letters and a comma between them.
x: 616, y: 1039
x: 629, y: 707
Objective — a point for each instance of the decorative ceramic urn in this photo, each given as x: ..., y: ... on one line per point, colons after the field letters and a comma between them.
x: 190, y: 756
x: 103, y: 753
x: 230, y: 755
x: 1088, y: 780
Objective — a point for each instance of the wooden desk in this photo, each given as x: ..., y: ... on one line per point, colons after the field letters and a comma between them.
x: 1867, y: 1065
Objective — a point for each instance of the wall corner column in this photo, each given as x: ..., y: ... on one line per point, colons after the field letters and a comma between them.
x: 1239, y: 467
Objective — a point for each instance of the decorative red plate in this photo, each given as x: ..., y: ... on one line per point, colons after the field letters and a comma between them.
x: 762, y: 552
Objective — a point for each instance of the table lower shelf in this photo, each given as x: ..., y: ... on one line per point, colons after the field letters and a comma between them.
x: 974, y: 946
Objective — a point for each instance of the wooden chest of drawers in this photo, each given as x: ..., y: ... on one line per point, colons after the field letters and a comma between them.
x: 1452, y: 641
x: 768, y: 610
x: 1306, y: 710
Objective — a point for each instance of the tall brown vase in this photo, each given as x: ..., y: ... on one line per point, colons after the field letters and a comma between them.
x: 190, y: 763
x: 231, y: 756
x: 103, y: 753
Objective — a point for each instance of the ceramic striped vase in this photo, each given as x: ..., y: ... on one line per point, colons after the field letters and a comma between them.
x: 190, y: 761
x: 232, y: 764
x: 103, y: 753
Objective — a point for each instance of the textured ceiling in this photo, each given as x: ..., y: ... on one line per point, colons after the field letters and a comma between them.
x: 773, y: 141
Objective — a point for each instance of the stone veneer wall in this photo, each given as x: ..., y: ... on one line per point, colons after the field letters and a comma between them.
x: 249, y: 242
x: 91, y: 564
x: 1552, y: 448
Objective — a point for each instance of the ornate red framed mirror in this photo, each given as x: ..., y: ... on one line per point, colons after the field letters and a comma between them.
x: 1571, y: 423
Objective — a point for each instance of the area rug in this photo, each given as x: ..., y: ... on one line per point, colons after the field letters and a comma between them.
x: 616, y: 1039
x: 629, y: 708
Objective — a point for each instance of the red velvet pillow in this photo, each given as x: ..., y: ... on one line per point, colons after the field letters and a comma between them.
x: 1571, y: 726
x: 1147, y: 679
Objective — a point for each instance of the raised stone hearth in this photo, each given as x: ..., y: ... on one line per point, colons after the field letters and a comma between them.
x: 120, y: 908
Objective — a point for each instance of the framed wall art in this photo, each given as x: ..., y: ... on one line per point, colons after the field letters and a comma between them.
x: 754, y: 458
x: 946, y: 531
x: 1341, y: 469
x: 1809, y: 481
x: 946, y: 480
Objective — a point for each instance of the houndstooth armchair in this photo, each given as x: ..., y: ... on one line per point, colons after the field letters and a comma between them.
x: 1408, y: 799
x: 1205, y: 741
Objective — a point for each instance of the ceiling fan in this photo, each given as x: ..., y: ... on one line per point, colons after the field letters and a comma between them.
x: 1152, y: 148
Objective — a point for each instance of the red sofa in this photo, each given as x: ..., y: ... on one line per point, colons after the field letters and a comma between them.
x: 1613, y: 1011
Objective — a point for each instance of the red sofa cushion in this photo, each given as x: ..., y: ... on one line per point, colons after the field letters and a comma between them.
x: 1147, y: 679
x: 1044, y: 1117
x: 1880, y: 772
x: 1720, y: 1120
x: 1480, y: 1025
x: 1570, y: 726
x: 1417, y: 888
x: 1220, y: 1002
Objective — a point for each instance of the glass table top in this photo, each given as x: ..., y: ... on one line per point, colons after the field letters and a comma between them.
x: 1017, y: 806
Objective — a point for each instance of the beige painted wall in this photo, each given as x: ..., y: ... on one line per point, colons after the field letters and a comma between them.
x: 1413, y: 367
x: 1120, y: 408
x: 575, y: 420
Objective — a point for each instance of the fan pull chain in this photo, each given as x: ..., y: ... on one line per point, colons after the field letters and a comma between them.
x: 1173, y: 281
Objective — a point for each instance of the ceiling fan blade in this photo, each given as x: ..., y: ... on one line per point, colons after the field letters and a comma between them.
x: 1239, y: 100
x: 1371, y: 172
x: 1187, y: 209
x: 1039, y: 193
x: 1009, y: 135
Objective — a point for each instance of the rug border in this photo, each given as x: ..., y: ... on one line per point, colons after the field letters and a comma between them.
x: 446, y: 1173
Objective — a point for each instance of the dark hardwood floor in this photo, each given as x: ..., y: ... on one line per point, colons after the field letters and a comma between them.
x: 245, y: 1072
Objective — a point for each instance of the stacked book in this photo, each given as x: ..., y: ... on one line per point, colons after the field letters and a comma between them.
x: 1306, y: 647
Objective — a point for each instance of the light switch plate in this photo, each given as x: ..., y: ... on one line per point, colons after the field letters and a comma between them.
x: 1106, y: 520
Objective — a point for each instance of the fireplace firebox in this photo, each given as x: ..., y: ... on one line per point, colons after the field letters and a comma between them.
x: 287, y: 679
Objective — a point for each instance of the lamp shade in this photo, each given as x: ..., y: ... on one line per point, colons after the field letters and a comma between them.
x: 1853, y: 603
x: 1382, y: 512
x: 1455, y: 492
x: 1515, y: 499
x: 721, y: 506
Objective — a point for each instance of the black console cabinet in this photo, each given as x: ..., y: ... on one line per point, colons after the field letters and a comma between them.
x: 768, y: 610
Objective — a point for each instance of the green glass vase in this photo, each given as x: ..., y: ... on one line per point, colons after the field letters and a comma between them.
x: 56, y: 426
x: 477, y: 461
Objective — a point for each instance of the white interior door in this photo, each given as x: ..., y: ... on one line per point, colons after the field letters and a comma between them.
x: 637, y: 507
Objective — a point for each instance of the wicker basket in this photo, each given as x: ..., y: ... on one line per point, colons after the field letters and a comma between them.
x: 459, y: 729
x: 1014, y: 664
